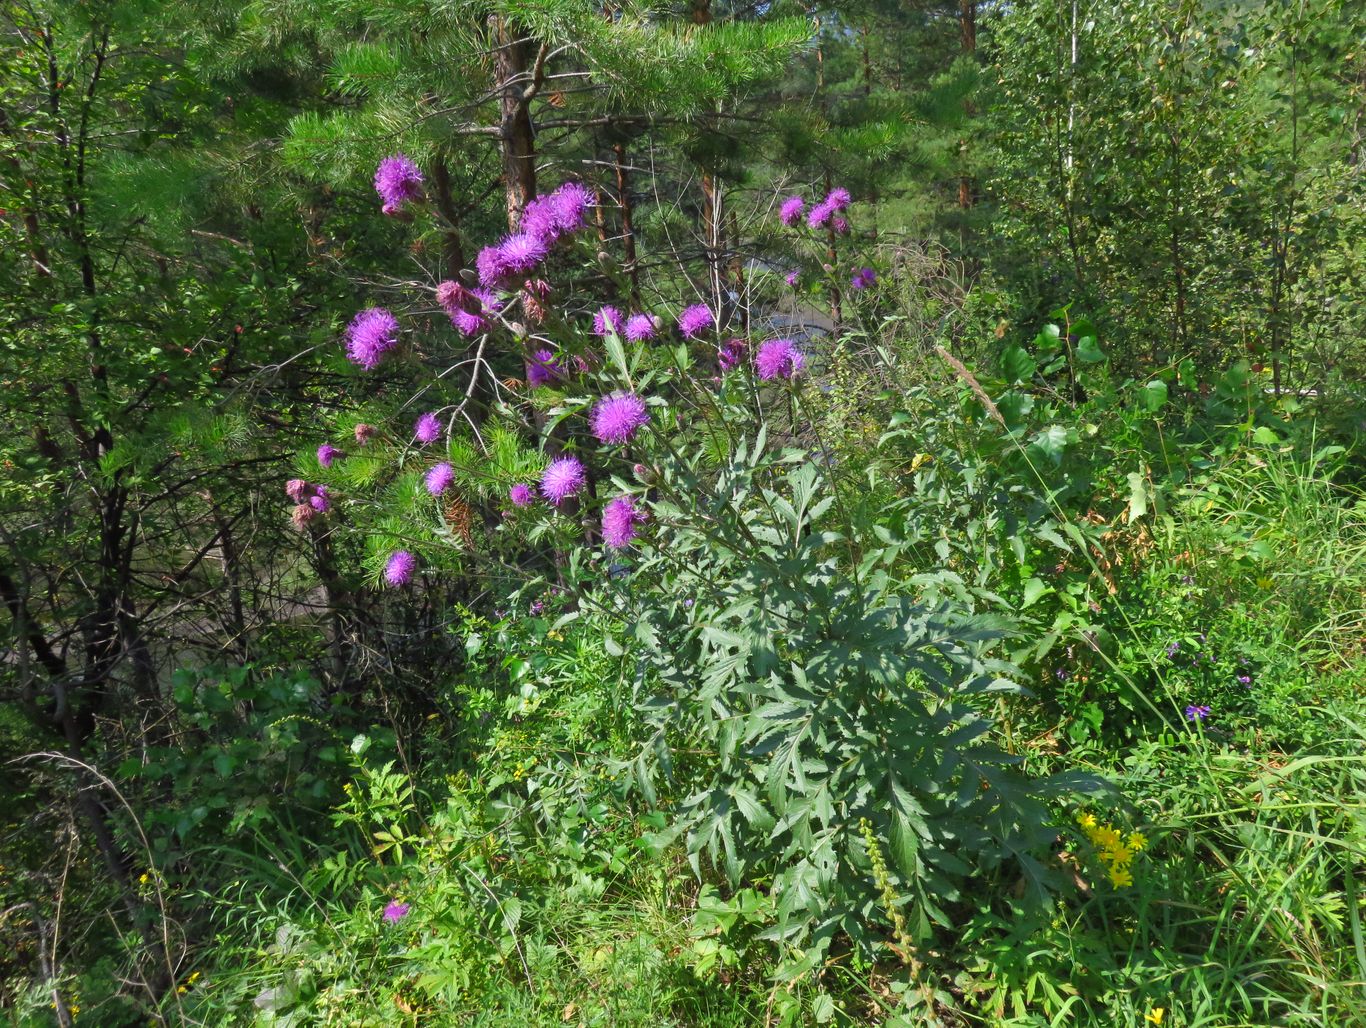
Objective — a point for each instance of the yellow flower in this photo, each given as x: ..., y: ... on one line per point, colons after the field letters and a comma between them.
x: 1138, y: 842
x: 142, y: 879
x: 1156, y: 1014
x: 1121, y: 877
x: 1087, y: 821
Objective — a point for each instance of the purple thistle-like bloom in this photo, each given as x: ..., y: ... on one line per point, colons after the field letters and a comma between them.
x: 439, y: 479
x: 838, y: 199
x: 427, y: 429
x: 778, y: 358
x: 1197, y: 712
x: 396, y: 911
x: 523, y: 251
x: 820, y: 215
x: 695, y: 320
x: 790, y: 213
x: 364, y: 433
x: 562, y: 479
x: 792, y: 277
x: 297, y: 489
x: 372, y: 333
x: 327, y: 453
x: 840, y: 224
x: 542, y: 368
x: 607, y: 321
x: 397, y: 180
x: 640, y: 327
x: 618, y: 417
x: 468, y: 324
x: 521, y: 495
x: 732, y: 353
x: 563, y: 211
x: 301, y: 515
x: 398, y: 570
x: 619, y: 520
x: 864, y: 278
x: 319, y: 501
x: 491, y: 266
x: 454, y: 297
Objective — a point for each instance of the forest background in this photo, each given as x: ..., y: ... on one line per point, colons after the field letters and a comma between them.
x: 990, y: 652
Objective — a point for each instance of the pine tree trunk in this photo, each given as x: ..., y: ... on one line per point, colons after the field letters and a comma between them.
x: 517, y: 80
x: 628, y: 232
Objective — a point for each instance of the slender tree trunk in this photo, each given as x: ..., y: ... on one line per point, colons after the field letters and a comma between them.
x: 967, y: 21
x: 628, y: 232
x: 452, y: 245
x: 518, y: 81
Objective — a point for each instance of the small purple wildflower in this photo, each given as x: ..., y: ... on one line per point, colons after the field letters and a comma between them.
x: 688, y: 602
x: 522, y: 252
x: 301, y: 515
x: 439, y: 478
x: 1197, y: 712
x: 491, y: 266
x: 468, y: 324
x: 536, y: 607
x: 619, y: 520
x: 327, y: 453
x: 730, y: 355
x: 427, y: 429
x: 561, y: 212
x: 297, y: 490
x: 372, y: 333
x: 399, y: 568
x: 1173, y: 648
x: 864, y: 278
x: 792, y: 278
x: 542, y: 368
x: 1245, y: 679
x: 397, y: 180
x: 1187, y: 579
x: 840, y: 225
x: 607, y: 322
x: 616, y: 418
x: 320, y: 501
x: 790, y: 213
x: 396, y: 911
x: 838, y: 199
x: 521, y: 495
x: 454, y: 297
x: 640, y: 327
x: 695, y: 320
x: 778, y: 358
x: 562, y: 479
x: 364, y: 433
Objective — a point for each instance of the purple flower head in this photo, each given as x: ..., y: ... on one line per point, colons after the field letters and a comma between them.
x: 491, y: 266
x: 521, y: 495
x: 619, y: 520
x: 792, y: 277
x: 327, y: 453
x: 688, y: 602
x: 372, y: 333
x: 561, y: 212
x: 640, y: 327
x: 838, y: 199
x: 427, y: 429
x: 397, y: 180
x: 820, y: 215
x: 1173, y: 648
x: 562, y: 479
x: 840, y: 224
x: 364, y: 433
x: 542, y: 368
x: 695, y: 320
x: 468, y: 324
x: 320, y: 501
x: 399, y: 568
x: 439, y: 479
x: 790, y: 213
x: 302, y: 514
x: 1196, y: 712
x: 297, y: 490
x: 864, y: 278
x: 396, y: 911
x: 607, y: 321
x: 616, y: 418
x: 454, y: 297
x: 778, y: 358
x: 536, y: 607
x: 522, y: 251
x: 732, y: 354
x: 1245, y: 679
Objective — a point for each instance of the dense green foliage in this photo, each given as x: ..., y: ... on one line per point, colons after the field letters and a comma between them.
x: 1001, y: 665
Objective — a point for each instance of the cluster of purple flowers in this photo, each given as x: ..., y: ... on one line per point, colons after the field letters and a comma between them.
x: 470, y: 310
x: 310, y: 500
x: 546, y: 220
x: 397, y: 181
x: 372, y: 334
x: 828, y: 213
